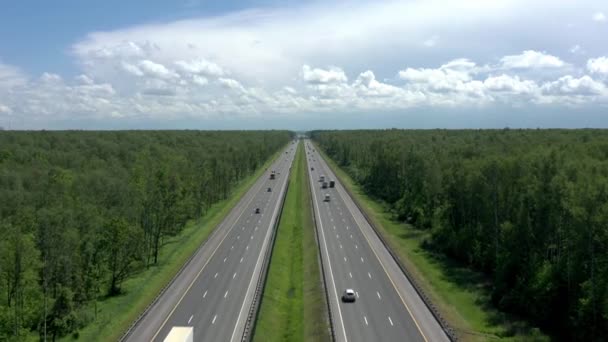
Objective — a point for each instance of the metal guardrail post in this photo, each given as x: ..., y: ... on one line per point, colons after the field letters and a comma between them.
x: 450, y: 332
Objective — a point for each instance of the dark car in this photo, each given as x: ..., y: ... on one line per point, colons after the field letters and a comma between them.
x: 349, y: 296
x: 312, y: 169
x: 257, y: 210
x: 269, y: 189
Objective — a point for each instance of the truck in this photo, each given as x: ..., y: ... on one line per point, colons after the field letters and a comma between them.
x: 180, y: 334
x: 332, y: 183
x: 324, y: 185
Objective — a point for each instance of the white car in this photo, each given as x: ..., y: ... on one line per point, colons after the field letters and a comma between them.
x: 349, y: 296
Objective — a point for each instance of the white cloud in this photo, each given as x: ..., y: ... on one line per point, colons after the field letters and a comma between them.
x: 577, y: 50
x: 431, y: 41
x: 200, y: 66
x: 132, y: 69
x: 11, y: 76
x: 230, y: 83
x: 5, y: 109
x: 156, y: 70
x: 50, y: 78
x: 599, y: 16
x: 200, y: 80
x: 321, y: 76
x: 531, y: 59
x: 84, y: 79
x: 506, y: 83
x: 598, y: 65
x: 569, y: 85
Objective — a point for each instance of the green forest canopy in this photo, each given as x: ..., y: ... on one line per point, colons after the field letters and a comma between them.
x: 527, y: 207
x: 82, y: 211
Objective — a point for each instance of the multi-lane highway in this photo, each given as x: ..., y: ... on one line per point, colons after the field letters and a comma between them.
x: 387, y: 308
x: 213, y: 294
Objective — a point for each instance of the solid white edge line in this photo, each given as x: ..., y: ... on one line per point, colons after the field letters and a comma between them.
x: 331, y: 274
x: 265, y: 242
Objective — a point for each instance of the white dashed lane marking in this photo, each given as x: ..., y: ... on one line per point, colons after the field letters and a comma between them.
x: 378, y: 293
x: 190, y: 320
x: 205, y: 294
x: 390, y: 320
x: 365, y: 318
x: 214, y: 318
x: 215, y: 276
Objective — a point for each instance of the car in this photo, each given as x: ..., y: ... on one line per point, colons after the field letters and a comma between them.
x: 269, y: 189
x: 349, y: 296
x: 257, y: 210
x: 312, y: 169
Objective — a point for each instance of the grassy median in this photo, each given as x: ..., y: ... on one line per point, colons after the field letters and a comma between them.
x: 116, y: 314
x: 461, y: 295
x: 293, y: 307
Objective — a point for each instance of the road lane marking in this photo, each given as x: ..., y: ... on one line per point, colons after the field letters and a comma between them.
x: 224, y: 259
x: 390, y: 320
x: 357, y: 294
x: 231, y: 247
x: 190, y: 320
x: 233, y: 276
x: 351, y: 236
x: 340, y: 246
x: 344, y: 259
x: 365, y: 318
x: 356, y: 247
x: 215, y: 276
x: 350, y: 274
x: 225, y: 294
x: 247, y: 247
x: 241, y: 260
x: 205, y: 294
x: 369, y: 275
x: 214, y: 317
x: 331, y: 274
x: 238, y: 236
x: 251, y: 237
x: 341, y: 194
x: 378, y: 293
x: 361, y: 259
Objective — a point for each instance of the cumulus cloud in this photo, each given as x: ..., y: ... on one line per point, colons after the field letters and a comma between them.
x: 322, y: 76
x: 598, y: 65
x: 155, y: 69
x: 11, y: 76
x: 531, y: 59
x: 569, y: 85
x: 200, y: 66
x: 506, y: 83
x: 599, y: 16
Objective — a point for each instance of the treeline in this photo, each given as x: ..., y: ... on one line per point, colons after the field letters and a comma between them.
x: 527, y: 207
x: 82, y: 211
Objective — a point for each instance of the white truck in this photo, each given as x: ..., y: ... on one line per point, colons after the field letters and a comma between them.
x: 180, y: 334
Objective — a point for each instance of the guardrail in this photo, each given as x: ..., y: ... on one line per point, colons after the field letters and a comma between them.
x: 249, y: 329
x: 186, y: 263
x: 317, y: 238
x: 449, y: 331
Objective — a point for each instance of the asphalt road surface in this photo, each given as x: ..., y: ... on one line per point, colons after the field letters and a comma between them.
x: 214, y: 292
x: 387, y: 308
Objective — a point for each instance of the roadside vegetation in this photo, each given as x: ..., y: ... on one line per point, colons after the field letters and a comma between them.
x: 94, y: 224
x: 498, y: 226
x: 293, y: 307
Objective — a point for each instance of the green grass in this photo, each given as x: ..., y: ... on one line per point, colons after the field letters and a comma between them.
x: 461, y: 295
x: 293, y: 307
x: 116, y: 314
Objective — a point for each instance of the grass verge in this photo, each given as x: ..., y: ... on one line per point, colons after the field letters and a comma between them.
x: 116, y: 314
x: 292, y: 307
x: 461, y: 295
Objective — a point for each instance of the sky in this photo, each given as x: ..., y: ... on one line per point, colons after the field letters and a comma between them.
x: 264, y: 64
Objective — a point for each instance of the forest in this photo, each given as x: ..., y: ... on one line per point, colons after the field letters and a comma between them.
x: 528, y: 208
x: 80, y: 212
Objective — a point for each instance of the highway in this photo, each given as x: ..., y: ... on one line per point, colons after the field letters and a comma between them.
x: 213, y: 294
x: 387, y: 307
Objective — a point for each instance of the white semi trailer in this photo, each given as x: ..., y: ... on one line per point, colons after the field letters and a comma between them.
x: 180, y: 334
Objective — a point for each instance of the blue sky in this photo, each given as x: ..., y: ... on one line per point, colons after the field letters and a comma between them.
x: 302, y: 65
